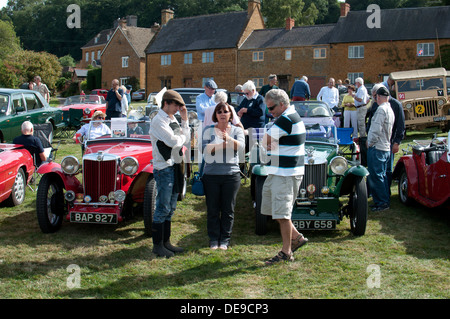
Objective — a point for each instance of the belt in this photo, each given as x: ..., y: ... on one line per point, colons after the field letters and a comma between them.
x: 360, y: 106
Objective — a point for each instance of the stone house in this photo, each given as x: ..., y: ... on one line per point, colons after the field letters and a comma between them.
x: 91, y: 51
x: 189, y: 51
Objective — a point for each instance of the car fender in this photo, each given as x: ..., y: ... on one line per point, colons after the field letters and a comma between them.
x: 407, y: 162
x: 345, y: 184
x: 70, y: 181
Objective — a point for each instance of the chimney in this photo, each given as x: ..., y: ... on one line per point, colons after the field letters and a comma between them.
x: 345, y: 8
x: 290, y: 23
x: 132, y: 21
x: 123, y: 23
x: 166, y: 15
x: 252, y: 5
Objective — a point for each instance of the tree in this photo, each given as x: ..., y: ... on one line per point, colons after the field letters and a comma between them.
x: 8, y: 39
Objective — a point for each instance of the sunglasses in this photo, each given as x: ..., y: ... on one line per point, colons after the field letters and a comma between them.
x: 271, y: 108
x: 225, y: 112
x: 248, y: 93
x: 100, y: 118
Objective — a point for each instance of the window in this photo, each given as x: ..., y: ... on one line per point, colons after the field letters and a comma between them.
x: 259, y: 82
x: 125, y: 61
x: 166, y: 59
x: 87, y: 56
x: 356, y: 52
x: 166, y: 83
x: 425, y: 49
x: 353, y: 76
x: 124, y: 81
x: 258, y: 56
x: 188, y: 58
x: 208, y: 57
x: 93, y: 55
x: 32, y: 102
x: 99, y: 54
x: 320, y: 53
x: 288, y: 54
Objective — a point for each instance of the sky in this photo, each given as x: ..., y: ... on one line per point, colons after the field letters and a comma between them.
x: 3, y: 3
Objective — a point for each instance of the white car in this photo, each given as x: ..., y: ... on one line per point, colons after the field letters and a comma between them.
x: 138, y: 95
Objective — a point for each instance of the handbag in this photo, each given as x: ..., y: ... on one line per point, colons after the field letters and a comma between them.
x: 197, y: 183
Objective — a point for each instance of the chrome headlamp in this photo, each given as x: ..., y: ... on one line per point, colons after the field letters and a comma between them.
x: 129, y: 165
x: 70, y: 165
x: 338, y: 165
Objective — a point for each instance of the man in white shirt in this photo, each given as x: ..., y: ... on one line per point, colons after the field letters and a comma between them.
x: 361, y: 99
x: 167, y: 139
x: 329, y: 94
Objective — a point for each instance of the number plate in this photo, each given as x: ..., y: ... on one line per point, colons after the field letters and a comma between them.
x: 314, y: 224
x: 93, y: 218
x: 439, y: 118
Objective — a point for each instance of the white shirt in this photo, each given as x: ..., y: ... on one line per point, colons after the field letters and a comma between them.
x: 361, y: 93
x: 96, y: 131
x: 160, y: 130
x: 329, y: 96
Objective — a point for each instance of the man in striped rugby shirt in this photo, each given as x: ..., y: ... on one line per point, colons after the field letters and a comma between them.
x: 285, y: 146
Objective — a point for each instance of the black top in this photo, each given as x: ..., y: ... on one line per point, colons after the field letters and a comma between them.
x: 32, y: 144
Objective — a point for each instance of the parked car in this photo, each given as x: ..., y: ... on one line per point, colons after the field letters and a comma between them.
x: 425, y: 96
x: 88, y: 103
x: 138, y: 95
x: 17, y: 106
x: 101, y: 92
x: 328, y: 179
x: 116, y: 181
x: 16, y: 171
x: 424, y: 174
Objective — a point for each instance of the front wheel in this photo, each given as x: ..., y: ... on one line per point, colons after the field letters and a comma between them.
x: 403, y: 188
x: 149, y: 204
x: 50, y: 204
x: 359, y: 207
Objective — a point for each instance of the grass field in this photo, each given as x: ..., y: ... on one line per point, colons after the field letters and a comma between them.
x: 404, y: 254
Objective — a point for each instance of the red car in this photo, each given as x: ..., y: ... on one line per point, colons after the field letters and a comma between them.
x: 424, y: 175
x: 101, y: 92
x: 117, y: 180
x: 16, y: 170
x: 88, y: 103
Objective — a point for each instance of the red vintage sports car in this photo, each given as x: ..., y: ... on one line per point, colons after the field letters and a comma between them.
x: 88, y: 103
x: 424, y: 175
x: 117, y: 180
x: 16, y: 170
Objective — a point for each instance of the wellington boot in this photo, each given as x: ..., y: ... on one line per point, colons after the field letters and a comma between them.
x: 166, y: 236
x: 158, y: 246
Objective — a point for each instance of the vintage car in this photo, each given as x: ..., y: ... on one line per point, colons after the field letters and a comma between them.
x: 17, y: 106
x: 328, y: 179
x: 16, y: 171
x: 116, y: 180
x: 425, y: 96
x: 88, y: 103
x: 424, y: 175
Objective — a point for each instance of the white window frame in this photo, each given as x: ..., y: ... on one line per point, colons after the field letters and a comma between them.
x: 288, y: 54
x: 207, y: 57
x: 352, y: 76
x: 320, y: 53
x: 259, y: 82
x: 93, y: 55
x: 188, y: 58
x: 125, y: 61
x: 356, y: 52
x: 427, y: 49
x: 166, y: 59
x: 99, y: 52
x: 87, y: 56
x: 258, y: 56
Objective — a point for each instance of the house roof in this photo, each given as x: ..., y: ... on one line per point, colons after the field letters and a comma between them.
x: 137, y: 37
x: 395, y: 24
x: 102, y: 38
x: 215, y: 31
x: 282, y: 38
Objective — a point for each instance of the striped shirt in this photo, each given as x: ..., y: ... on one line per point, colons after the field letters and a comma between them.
x: 287, y: 155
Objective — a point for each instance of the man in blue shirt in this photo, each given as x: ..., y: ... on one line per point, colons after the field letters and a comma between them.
x: 300, y: 90
x: 113, y: 101
x: 206, y: 99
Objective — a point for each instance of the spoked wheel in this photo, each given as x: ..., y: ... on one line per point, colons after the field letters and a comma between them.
x: 17, y: 196
x: 358, y: 207
x: 149, y: 204
x: 50, y: 204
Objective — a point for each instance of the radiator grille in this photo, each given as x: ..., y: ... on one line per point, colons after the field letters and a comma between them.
x: 99, y: 178
x: 431, y: 108
x: 315, y: 174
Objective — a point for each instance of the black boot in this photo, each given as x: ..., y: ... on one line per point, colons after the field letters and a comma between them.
x: 157, y: 236
x: 167, y: 244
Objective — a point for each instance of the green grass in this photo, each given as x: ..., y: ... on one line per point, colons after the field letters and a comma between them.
x: 410, y: 245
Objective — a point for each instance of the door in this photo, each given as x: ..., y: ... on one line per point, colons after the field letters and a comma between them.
x: 15, y: 117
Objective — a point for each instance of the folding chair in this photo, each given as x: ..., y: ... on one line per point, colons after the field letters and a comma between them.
x: 64, y: 132
x: 347, y: 147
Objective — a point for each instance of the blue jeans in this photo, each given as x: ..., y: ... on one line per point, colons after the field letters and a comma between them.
x: 166, y: 200
x: 377, y: 163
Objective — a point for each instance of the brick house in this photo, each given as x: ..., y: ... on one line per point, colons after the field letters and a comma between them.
x: 91, y: 51
x: 188, y: 51
x: 124, y: 55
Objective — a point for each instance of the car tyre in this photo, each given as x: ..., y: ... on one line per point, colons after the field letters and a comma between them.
x: 50, y: 204
x: 403, y: 188
x: 149, y: 204
x: 260, y: 219
x: 17, y: 196
x: 359, y: 207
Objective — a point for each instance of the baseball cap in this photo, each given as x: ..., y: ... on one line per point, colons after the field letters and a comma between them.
x: 211, y: 84
x: 129, y: 87
x: 173, y: 95
x: 383, y: 91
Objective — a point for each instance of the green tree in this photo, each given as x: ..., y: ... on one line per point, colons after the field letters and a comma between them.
x: 8, y: 39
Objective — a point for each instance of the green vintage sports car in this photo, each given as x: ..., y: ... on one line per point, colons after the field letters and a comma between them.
x: 329, y: 180
x: 18, y: 106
